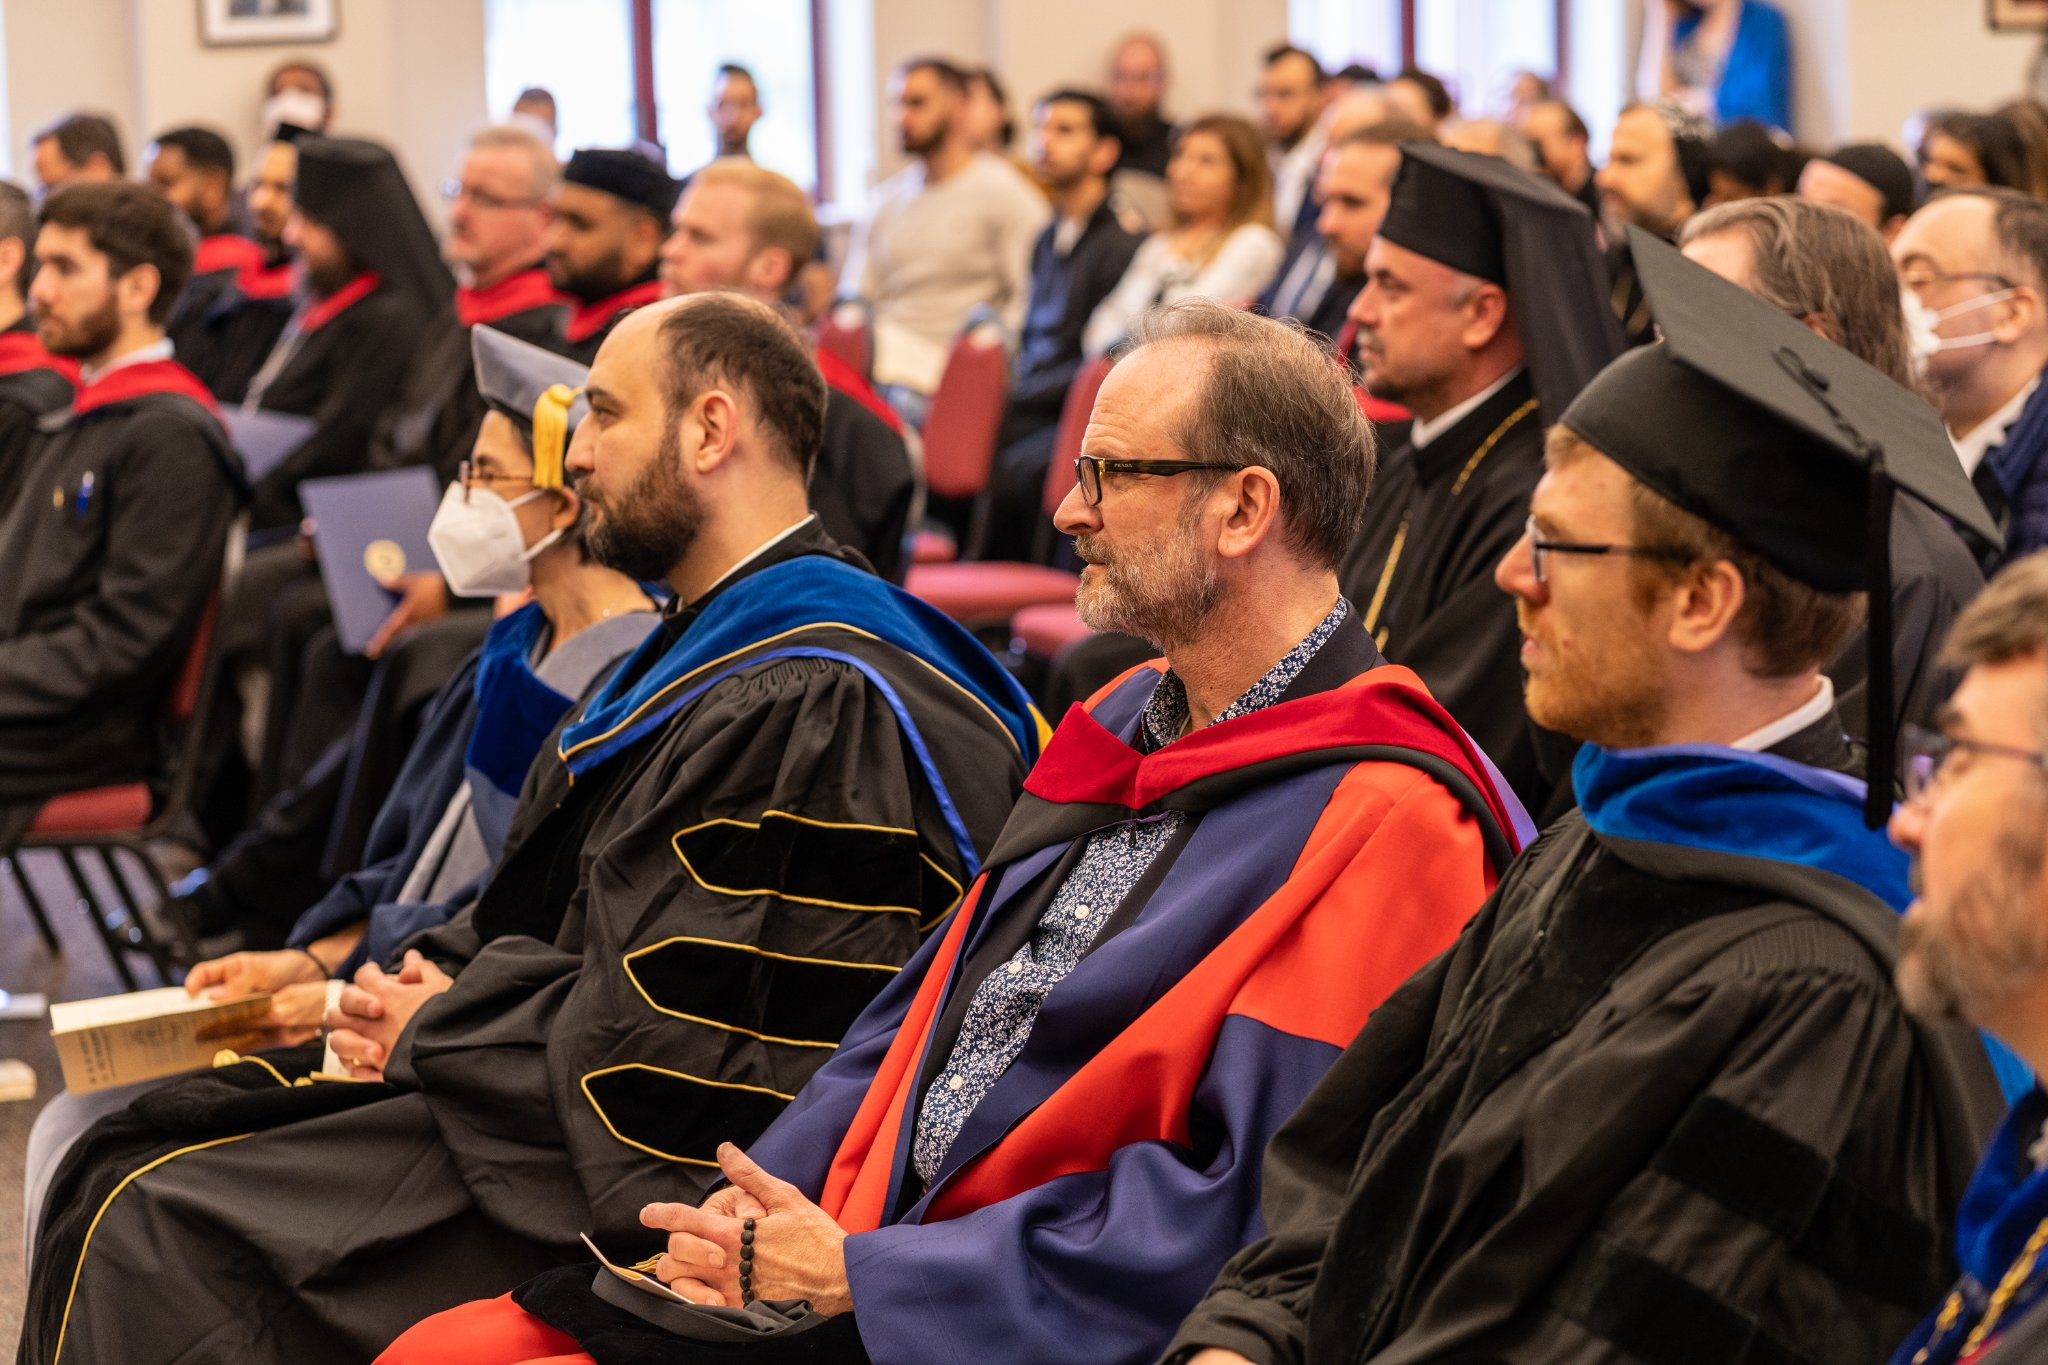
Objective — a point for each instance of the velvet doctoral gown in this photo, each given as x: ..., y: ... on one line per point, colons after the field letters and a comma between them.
x: 1334, y: 842
x: 1659, y: 1105
x: 736, y: 843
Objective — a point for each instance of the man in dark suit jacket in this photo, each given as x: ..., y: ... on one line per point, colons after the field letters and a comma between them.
x: 1078, y: 260
x: 1352, y: 187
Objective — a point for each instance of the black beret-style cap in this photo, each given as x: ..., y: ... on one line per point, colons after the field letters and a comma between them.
x: 626, y: 175
x: 1882, y: 169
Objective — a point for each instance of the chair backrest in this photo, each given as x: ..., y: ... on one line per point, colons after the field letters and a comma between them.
x: 844, y: 331
x: 182, y: 701
x: 966, y: 413
x: 1066, y: 441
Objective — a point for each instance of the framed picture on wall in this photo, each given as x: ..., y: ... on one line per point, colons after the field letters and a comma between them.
x: 227, y: 22
x: 2019, y: 15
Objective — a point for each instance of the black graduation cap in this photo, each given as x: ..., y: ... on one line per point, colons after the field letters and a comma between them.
x: 541, y: 391
x: 1744, y: 417
x: 355, y: 189
x: 1479, y: 215
x: 627, y: 175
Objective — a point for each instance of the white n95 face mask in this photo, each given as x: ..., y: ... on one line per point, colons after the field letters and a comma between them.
x: 479, y: 544
x: 300, y: 108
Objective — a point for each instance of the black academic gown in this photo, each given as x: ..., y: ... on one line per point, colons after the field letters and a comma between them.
x: 1656, y: 1109
x: 571, y: 1075
x: 1934, y: 576
x: 107, y: 558
x: 344, y: 371
x: 27, y: 396
x: 587, y: 325
x: 863, y: 483
x: 1421, y: 570
x: 230, y: 340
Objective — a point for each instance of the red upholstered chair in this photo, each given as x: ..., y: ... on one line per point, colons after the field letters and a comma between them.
x: 993, y: 592
x: 1041, y: 632
x: 844, y: 331
x: 966, y: 414
x: 102, y: 821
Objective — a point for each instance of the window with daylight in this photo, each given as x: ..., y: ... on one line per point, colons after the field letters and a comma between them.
x: 627, y: 70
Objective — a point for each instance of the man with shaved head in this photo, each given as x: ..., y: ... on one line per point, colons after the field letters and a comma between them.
x: 717, y: 860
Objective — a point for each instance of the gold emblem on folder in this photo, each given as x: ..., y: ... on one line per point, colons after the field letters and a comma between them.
x: 385, y: 559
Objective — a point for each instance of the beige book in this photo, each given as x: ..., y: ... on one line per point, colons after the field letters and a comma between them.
x: 143, y: 1035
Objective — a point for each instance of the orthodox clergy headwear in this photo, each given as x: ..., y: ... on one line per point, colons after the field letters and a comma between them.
x: 355, y: 189
x: 1479, y: 215
x: 626, y: 175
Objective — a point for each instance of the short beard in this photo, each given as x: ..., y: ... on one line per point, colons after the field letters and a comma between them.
x: 331, y: 278
x: 927, y: 145
x: 94, y: 333
x: 1164, y: 600
x: 605, y: 277
x: 1618, y: 700
x: 652, y: 526
x: 1988, y: 945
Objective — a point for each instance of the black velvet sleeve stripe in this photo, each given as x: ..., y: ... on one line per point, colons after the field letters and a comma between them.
x: 872, y: 868
x: 1657, y: 1316
x: 678, y: 1117
x: 1777, y: 1182
x: 801, y: 1001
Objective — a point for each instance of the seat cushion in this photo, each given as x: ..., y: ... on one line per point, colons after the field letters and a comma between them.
x: 98, y: 810
x: 991, y: 591
x: 1043, y: 631
x: 932, y: 547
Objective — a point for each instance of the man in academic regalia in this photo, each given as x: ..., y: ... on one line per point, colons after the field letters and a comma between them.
x: 113, y: 546
x: 1975, y: 947
x: 1483, y: 314
x: 1661, y: 1102
x: 715, y: 863
x: 1041, y: 1141
x: 227, y: 344
x: 604, y: 245
x: 742, y: 226
x: 33, y: 383
x: 374, y: 282
x: 1831, y: 272
x: 195, y: 169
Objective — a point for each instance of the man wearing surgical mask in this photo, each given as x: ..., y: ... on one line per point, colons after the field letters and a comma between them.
x: 1973, y: 264
x: 300, y: 96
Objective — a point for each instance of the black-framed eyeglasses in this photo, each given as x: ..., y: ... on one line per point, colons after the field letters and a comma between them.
x: 452, y: 190
x: 1089, y: 469
x: 1929, y: 755
x: 1539, y: 547
x: 469, y: 476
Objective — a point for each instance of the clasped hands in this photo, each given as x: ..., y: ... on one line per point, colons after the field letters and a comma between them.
x: 799, y: 1251
x: 364, y: 1025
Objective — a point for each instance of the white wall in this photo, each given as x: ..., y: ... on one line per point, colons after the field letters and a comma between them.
x: 408, y: 73
x: 1863, y: 67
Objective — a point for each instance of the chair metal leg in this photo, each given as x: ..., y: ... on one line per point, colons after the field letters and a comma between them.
x: 36, y: 911
x: 117, y: 873
x: 90, y: 903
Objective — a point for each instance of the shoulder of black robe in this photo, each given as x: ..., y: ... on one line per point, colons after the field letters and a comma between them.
x: 345, y: 375
x: 1421, y: 572
x: 726, y: 896
x: 1934, y: 576
x: 862, y: 484
x: 1708, y: 1132
x: 232, y: 340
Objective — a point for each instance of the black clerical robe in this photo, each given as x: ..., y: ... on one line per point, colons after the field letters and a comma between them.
x: 1659, y: 1104
x: 218, y: 260
x: 435, y: 420
x: 227, y: 344
x: 342, y: 361
x: 33, y: 384
x: 108, y: 555
x: 673, y: 941
x: 1439, y: 520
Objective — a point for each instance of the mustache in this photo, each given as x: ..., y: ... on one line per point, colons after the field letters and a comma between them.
x: 1089, y: 549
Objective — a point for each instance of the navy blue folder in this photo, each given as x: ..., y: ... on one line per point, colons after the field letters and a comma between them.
x: 367, y: 527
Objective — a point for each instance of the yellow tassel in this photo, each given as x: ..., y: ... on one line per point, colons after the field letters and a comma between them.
x: 551, y: 434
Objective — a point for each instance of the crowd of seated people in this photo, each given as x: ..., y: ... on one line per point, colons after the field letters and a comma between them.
x: 1477, y: 788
